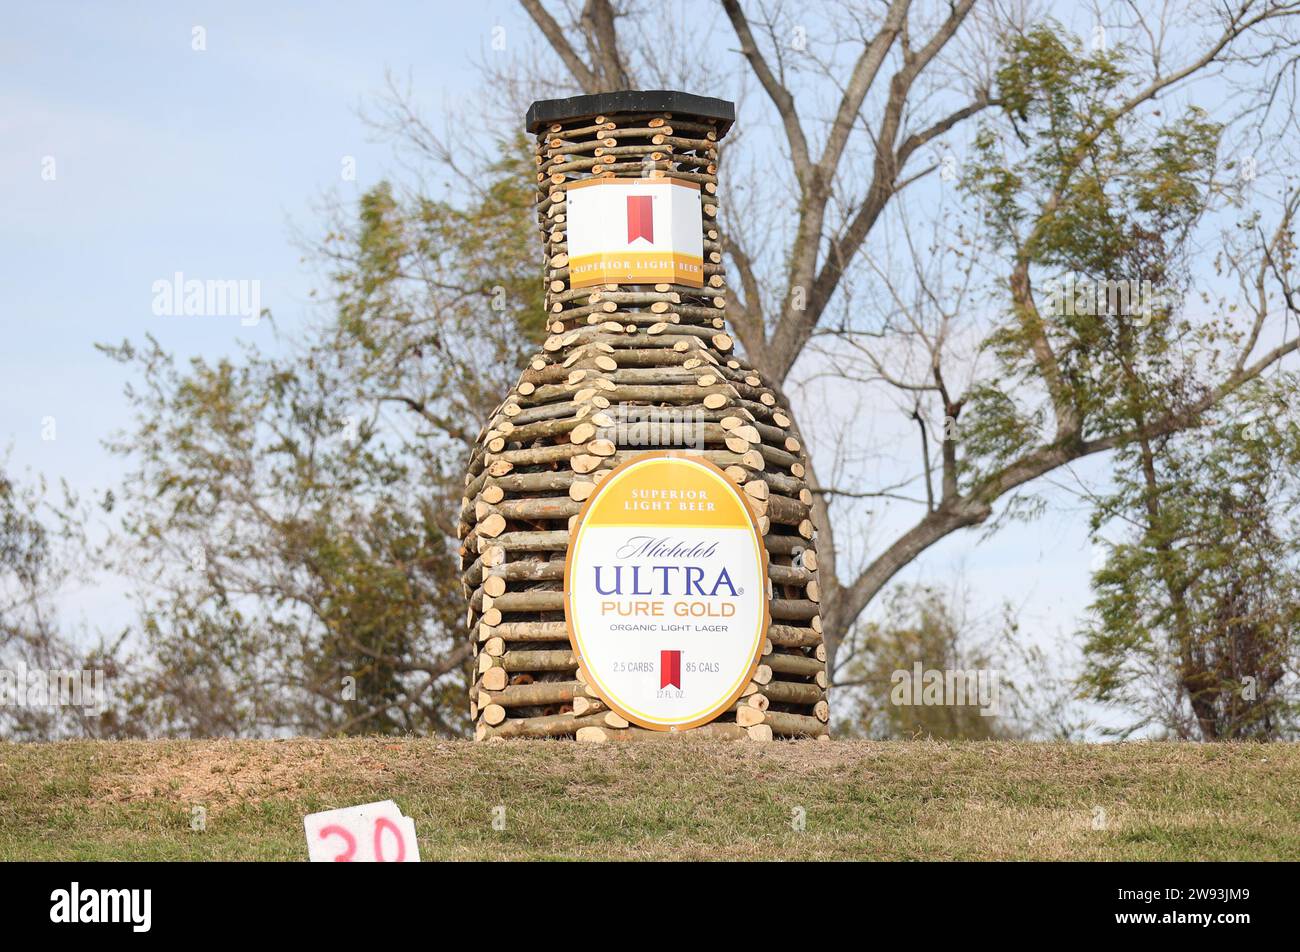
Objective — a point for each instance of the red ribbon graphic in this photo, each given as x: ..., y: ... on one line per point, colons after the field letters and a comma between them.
x: 640, y: 218
x: 670, y: 669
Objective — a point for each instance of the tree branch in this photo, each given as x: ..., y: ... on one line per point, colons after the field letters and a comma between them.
x: 555, y: 36
x: 780, y: 96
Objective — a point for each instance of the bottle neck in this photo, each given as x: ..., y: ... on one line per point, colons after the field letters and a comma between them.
x: 628, y: 189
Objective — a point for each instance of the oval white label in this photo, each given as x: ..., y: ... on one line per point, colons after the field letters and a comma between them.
x: 666, y: 591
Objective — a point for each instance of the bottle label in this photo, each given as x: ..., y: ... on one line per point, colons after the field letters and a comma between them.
x: 666, y: 591
x: 634, y: 231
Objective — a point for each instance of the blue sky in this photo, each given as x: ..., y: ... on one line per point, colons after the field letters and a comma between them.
x: 168, y: 159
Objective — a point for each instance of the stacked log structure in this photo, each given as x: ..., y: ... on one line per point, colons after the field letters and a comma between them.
x: 586, y: 402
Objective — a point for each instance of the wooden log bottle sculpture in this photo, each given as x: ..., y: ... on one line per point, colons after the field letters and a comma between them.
x: 636, y: 533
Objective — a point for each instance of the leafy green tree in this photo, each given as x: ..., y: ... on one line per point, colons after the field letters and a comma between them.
x: 1196, y: 627
x: 292, y: 517
x: 1196, y: 600
x: 919, y: 628
x: 1086, y: 201
x: 924, y: 640
x: 44, y: 548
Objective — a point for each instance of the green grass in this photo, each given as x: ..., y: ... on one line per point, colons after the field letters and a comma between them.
x: 676, y: 799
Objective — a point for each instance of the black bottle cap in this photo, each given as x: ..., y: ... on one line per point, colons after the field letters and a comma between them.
x: 545, y: 111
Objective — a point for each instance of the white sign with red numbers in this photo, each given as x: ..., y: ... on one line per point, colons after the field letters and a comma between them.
x: 371, y: 833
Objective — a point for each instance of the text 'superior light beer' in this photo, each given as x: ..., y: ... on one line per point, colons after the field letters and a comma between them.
x: 637, y: 535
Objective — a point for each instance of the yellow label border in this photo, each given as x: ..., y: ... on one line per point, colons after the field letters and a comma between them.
x: 713, y: 711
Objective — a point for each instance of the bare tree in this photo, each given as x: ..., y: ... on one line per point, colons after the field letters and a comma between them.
x: 861, y: 114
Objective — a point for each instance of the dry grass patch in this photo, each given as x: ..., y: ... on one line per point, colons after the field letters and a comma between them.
x: 681, y: 799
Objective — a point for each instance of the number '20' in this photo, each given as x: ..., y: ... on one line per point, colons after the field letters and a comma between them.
x: 349, y: 851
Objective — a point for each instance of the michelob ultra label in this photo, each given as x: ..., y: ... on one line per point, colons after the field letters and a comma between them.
x: 666, y: 594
